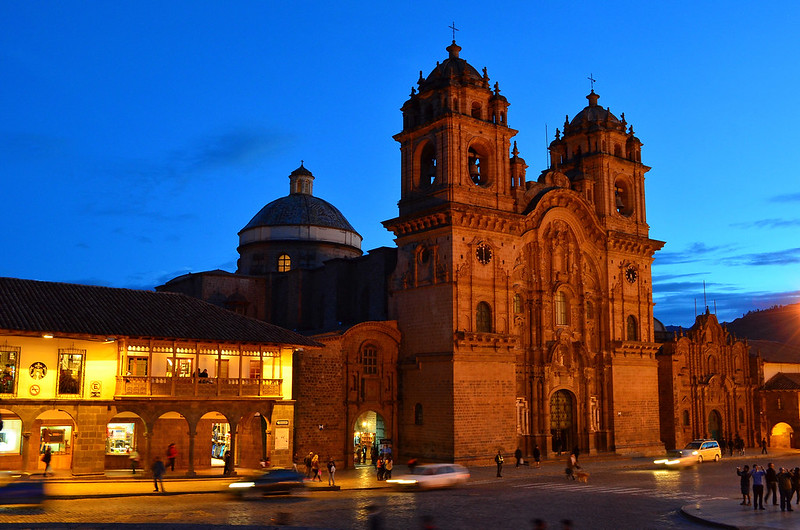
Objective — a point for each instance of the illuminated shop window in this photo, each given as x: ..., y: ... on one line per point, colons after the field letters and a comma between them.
x: 284, y: 263
x: 255, y: 369
x: 9, y: 356
x: 57, y: 437
x: 183, y: 368
x: 120, y: 438
x: 70, y: 370
x: 10, y: 436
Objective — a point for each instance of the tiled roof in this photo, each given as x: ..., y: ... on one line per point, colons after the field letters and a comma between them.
x: 34, y: 306
x: 783, y: 381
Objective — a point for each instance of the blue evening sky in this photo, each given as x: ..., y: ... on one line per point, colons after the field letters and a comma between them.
x: 137, y: 138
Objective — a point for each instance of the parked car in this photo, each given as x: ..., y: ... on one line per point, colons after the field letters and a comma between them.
x: 695, y: 452
x: 273, y: 481
x: 20, y: 488
x: 432, y: 476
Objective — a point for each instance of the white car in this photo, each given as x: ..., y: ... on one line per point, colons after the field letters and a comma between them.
x: 695, y: 452
x: 432, y: 476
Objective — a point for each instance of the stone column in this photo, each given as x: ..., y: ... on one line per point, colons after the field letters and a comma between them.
x: 192, y: 436
x: 26, y: 450
x: 148, y: 457
x: 234, y: 456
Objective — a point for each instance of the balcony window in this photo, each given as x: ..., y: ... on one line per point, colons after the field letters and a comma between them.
x: 9, y: 357
x: 70, y: 371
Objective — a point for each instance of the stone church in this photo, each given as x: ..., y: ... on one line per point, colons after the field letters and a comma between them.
x: 513, y: 312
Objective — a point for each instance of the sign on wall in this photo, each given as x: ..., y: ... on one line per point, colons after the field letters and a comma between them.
x: 38, y: 370
x: 281, y: 438
x: 94, y: 388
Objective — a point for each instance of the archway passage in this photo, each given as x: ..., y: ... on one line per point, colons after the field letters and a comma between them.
x: 715, y: 425
x: 562, y: 421
x: 781, y: 435
x: 54, y: 430
x: 369, y: 438
x: 213, y: 426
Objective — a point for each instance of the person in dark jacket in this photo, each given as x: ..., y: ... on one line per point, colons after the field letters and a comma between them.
x: 745, y: 484
x: 158, y: 468
x: 498, y: 459
x: 772, y: 484
x: 518, y: 457
x: 785, y: 487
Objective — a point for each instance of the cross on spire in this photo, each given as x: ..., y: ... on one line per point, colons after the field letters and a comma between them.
x: 454, y: 28
x: 592, y: 80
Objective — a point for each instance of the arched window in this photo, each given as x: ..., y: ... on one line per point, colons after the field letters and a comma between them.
x: 517, y: 304
x: 418, y: 414
x: 478, y: 165
x: 476, y: 110
x: 369, y: 360
x: 284, y: 263
x: 562, y: 311
x: 632, y: 328
x: 685, y: 418
x: 427, y: 165
x: 483, y: 318
x: 622, y: 198
x: 741, y: 416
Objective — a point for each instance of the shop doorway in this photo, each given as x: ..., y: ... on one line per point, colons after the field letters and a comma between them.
x: 53, y: 430
x: 220, y: 430
x: 369, y: 439
x: 562, y: 422
x: 715, y: 425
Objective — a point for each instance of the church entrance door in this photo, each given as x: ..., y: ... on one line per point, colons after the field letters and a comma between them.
x: 562, y: 421
x: 369, y: 439
x: 715, y: 425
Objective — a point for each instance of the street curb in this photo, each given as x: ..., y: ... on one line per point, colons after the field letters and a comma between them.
x: 707, y: 522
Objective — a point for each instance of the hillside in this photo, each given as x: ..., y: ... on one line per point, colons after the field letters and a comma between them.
x: 777, y: 324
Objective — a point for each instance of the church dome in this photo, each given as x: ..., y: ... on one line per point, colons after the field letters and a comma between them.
x: 453, y: 71
x: 296, y: 231
x: 594, y: 115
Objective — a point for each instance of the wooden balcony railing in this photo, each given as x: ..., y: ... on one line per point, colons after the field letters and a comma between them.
x: 128, y: 386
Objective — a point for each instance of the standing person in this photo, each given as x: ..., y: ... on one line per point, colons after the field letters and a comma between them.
x: 498, y: 459
x: 537, y: 455
x: 316, y: 474
x: 758, y: 487
x: 228, y: 460
x: 796, y: 484
x: 379, y: 465
x: 307, y: 461
x: 785, y: 487
x: 158, y: 468
x: 172, y: 454
x: 772, y: 484
x: 572, y: 465
x: 134, y: 458
x: 744, y: 482
x: 763, y: 446
x: 294, y: 462
x: 47, y: 457
x: 722, y: 446
x: 331, y: 472
x: 388, y: 465
x: 412, y: 463
x: 518, y: 457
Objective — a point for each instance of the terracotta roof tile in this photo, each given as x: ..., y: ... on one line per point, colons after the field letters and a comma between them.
x: 783, y: 381
x: 34, y: 306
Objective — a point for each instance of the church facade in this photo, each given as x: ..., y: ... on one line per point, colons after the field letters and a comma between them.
x: 513, y: 312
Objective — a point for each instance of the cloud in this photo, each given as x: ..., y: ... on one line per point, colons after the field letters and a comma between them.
x: 789, y: 256
x: 788, y: 197
x: 695, y: 252
x: 768, y: 223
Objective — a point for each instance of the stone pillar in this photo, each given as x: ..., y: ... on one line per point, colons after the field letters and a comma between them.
x: 26, y: 450
x: 192, y: 436
x: 148, y: 459
x: 234, y: 452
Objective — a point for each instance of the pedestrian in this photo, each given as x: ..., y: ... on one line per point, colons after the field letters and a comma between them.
x: 785, y: 488
x: 758, y: 486
x: 796, y: 484
x: 388, y: 465
x: 134, y: 458
x: 412, y: 463
x: 316, y: 473
x: 379, y: 465
x: 294, y: 462
x: 763, y: 446
x: 744, y: 482
x: 498, y: 459
x: 772, y: 484
x: 722, y: 445
x: 47, y: 457
x: 572, y: 465
x: 331, y: 472
x: 518, y: 457
x: 172, y: 454
x: 307, y: 461
x: 228, y: 460
x: 537, y: 455
x: 158, y: 468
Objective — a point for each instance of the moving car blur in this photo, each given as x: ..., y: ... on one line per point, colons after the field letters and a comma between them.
x: 695, y: 452
x: 20, y: 488
x: 432, y: 476
x: 273, y: 481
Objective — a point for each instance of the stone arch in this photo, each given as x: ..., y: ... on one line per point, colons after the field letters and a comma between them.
x: 781, y: 435
x: 126, y: 432
x: 480, y: 167
x: 58, y: 429
x: 369, y: 429
x: 563, y: 414
x: 171, y: 427
x: 425, y: 164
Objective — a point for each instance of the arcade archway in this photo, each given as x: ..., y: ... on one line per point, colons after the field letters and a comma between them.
x: 781, y: 435
x: 563, y: 430
x: 369, y: 438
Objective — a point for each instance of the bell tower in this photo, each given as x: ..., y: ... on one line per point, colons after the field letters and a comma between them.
x: 455, y: 140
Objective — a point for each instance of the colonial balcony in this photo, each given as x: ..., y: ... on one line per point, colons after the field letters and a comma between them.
x: 201, y: 387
